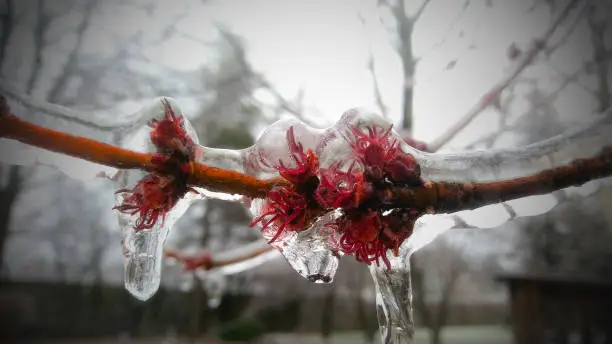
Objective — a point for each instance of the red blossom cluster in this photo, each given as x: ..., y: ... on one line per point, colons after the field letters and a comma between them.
x: 364, y: 230
x: 352, y: 185
x: 288, y: 207
x: 157, y: 193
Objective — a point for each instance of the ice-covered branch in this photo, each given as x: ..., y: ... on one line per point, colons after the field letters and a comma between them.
x: 581, y: 141
x: 353, y: 188
x: 32, y: 106
x: 212, y: 178
x: 230, y: 262
x: 452, y: 197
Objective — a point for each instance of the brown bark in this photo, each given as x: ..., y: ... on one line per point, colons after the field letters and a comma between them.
x: 213, y: 178
x: 446, y: 197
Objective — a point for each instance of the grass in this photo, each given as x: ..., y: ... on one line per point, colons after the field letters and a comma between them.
x: 450, y: 335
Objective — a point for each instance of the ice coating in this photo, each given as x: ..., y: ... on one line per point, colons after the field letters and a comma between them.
x: 108, y: 126
x: 581, y: 141
x: 310, y: 253
x: 330, y: 145
x: 143, y: 248
x: 241, y: 251
x: 394, y: 299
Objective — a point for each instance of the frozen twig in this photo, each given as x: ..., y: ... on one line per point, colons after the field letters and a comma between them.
x: 440, y: 196
x: 284, y: 104
x: 450, y: 29
x: 224, y: 259
x: 377, y: 94
x: 494, y: 93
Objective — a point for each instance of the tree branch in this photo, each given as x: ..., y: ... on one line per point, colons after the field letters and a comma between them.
x: 212, y: 178
x: 438, y: 197
x: 208, y: 262
x: 379, y: 99
x: 7, y: 30
x: 494, y: 93
x: 598, y: 41
x: 444, y: 197
x: 42, y: 25
x: 421, y: 9
x: 60, y: 82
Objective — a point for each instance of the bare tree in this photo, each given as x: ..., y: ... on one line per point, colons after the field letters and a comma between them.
x: 440, y: 265
x: 8, y: 196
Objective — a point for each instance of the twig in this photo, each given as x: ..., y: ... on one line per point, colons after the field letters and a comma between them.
x: 553, y: 47
x: 446, y: 197
x: 284, y: 104
x: 60, y: 83
x: 493, y: 94
x: 208, y: 262
x: 450, y: 28
x: 421, y: 9
x: 379, y: 99
x: 7, y: 30
x: 64, y: 113
x: 438, y: 196
x: 42, y: 24
x: 213, y: 178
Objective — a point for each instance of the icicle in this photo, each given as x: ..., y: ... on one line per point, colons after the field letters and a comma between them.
x: 394, y: 299
x: 214, y: 284
x: 143, y: 261
x: 143, y: 248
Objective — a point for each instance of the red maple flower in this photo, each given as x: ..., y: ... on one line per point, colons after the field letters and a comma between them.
x: 340, y: 189
x: 306, y: 163
x: 361, y: 237
x: 151, y: 198
x: 403, y: 168
x: 284, y: 209
x: 369, y: 235
x: 382, y: 156
x: 157, y: 193
x: 375, y: 147
x: 169, y: 135
x: 398, y: 226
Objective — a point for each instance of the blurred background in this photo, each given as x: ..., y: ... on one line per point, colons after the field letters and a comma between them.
x: 235, y: 66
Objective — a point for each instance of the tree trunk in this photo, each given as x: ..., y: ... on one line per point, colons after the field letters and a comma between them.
x: 8, y: 196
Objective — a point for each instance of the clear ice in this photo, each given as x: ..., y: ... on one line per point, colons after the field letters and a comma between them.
x: 394, y: 299
x: 310, y: 252
x: 143, y: 250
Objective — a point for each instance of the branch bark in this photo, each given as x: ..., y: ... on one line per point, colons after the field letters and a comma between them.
x: 213, y: 178
x: 444, y: 197
x: 439, y: 196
